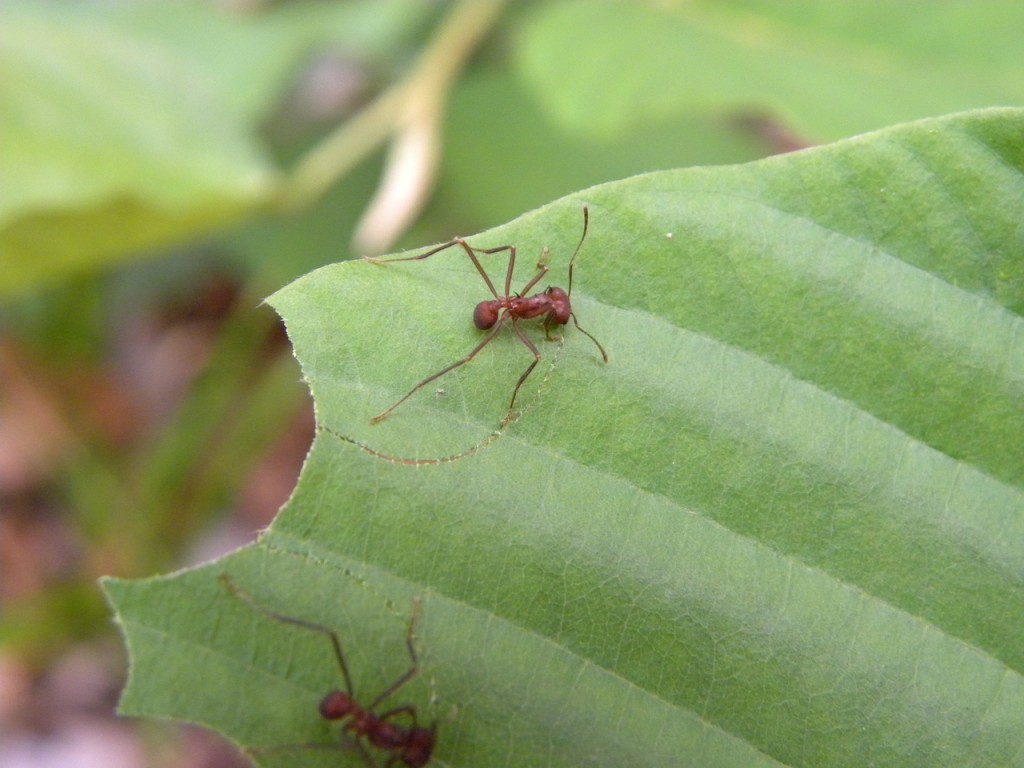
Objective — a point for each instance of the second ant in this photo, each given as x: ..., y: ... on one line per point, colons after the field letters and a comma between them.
x: 396, y: 731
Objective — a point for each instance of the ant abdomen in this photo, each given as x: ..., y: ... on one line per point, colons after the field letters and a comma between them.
x: 486, y: 314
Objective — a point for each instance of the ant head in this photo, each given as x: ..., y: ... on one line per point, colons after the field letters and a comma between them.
x: 336, y: 705
x: 486, y: 314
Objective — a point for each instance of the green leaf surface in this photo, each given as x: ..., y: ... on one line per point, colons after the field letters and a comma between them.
x: 827, y: 70
x: 784, y: 525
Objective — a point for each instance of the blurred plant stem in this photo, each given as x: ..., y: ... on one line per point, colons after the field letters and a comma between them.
x: 137, y: 512
x: 410, y: 113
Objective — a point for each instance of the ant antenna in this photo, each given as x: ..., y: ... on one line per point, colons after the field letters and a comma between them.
x: 586, y: 222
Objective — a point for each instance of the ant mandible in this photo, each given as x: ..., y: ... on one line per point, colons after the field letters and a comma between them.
x: 409, y: 744
x: 553, y: 304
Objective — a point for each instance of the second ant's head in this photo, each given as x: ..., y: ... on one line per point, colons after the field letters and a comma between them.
x: 486, y: 314
x: 336, y: 705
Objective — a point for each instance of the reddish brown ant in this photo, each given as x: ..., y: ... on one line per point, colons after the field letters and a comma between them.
x: 553, y: 304
x: 411, y: 745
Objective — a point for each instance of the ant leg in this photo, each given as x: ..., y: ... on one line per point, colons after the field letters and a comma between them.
x: 589, y: 336
x: 537, y: 358
x: 427, y: 255
x: 470, y: 251
x: 410, y: 674
x: 511, y: 266
x: 542, y: 269
x: 443, y: 247
x: 237, y: 592
x: 476, y: 350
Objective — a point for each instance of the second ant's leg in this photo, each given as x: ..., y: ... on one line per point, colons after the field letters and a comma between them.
x: 410, y: 674
x: 237, y: 592
x: 490, y: 337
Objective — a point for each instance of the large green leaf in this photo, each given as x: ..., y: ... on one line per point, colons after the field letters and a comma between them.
x: 783, y: 525
x: 827, y: 70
